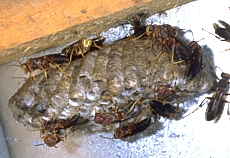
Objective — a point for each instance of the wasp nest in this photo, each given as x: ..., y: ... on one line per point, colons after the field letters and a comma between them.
x: 115, y: 80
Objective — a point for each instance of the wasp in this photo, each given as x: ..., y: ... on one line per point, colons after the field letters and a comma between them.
x: 222, y: 32
x: 165, y: 92
x: 51, y: 130
x: 216, y: 104
x: 190, y: 53
x: 83, y: 46
x: 195, y: 60
x: 165, y: 110
x: 132, y: 128
x: 43, y: 63
x: 166, y: 35
x: 114, y: 116
x: 52, y: 139
x: 58, y: 124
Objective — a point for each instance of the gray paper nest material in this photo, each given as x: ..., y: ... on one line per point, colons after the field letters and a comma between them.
x: 115, y: 76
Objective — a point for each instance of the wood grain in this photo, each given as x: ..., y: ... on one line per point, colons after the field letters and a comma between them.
x: 29, y: 26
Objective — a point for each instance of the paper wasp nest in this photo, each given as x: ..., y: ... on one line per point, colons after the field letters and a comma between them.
x: 113, y: 77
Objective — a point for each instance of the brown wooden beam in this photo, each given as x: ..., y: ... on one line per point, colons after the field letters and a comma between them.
x: 27, y: 27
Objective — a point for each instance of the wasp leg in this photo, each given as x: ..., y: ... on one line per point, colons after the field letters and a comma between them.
x: 158, y: 55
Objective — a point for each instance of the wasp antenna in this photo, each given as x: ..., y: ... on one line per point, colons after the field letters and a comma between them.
x: 211, y: 34
x: 224, y: 50
x: 140, y: 114
x: 188, y: 31
x: 19, y: 62
x: 191, y: 33
x: 32, y: 129
x: 24, y: 78
x: 7, y: 66
x: 165, y: 120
